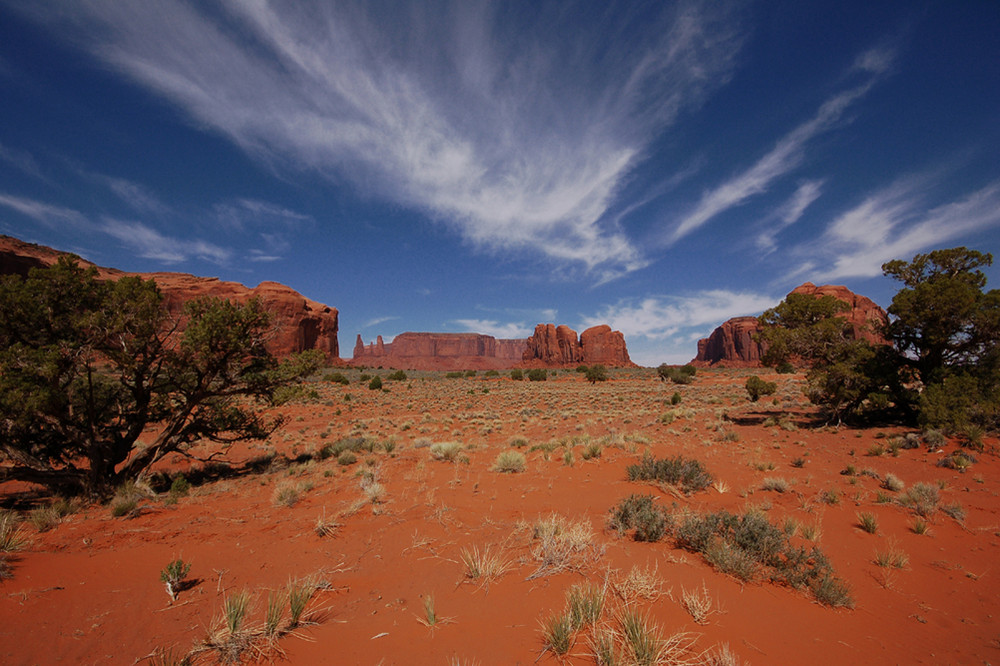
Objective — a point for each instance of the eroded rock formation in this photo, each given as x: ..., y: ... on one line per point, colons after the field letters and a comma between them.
x: 440, y: 351
x: 732, y: 344
x: 553, y: 345
x: 550, y: 346
x: 299, y: 323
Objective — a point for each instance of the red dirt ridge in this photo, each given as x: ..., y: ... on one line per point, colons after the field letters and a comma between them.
x: 732, y: 344
x: 299, y: 323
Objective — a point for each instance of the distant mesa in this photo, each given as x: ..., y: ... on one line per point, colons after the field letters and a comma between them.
x: 299, y: 323
x: 732, y: 345
x: 550, y: 346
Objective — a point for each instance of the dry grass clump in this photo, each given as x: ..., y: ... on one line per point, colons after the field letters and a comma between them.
x: 447, y: 451
x: 699, y: 604
x: 125, y: 503
x: 921, y: 498
x: 559, y: 544
x: 483, y: 566
x: 510, y: 462
x: 12, y: 539
x: 892, y: 558
x: 777, y: 484
x: 893, y: 483
x: 638, y: 512
x: 642, y: 583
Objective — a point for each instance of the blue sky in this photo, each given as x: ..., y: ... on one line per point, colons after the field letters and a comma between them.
x: 467, y: 166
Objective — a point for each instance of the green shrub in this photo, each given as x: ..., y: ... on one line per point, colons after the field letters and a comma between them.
x: 346, y: 458
x: 491, y: 373
x: 677, y: 374
x: 785, y: 368
x: 538, y: 374
x: 639, y: 513
x: 517, y: 374
x: 582, y: 369
x: 675, y: 399
x: 338, y: 378
x: 688, y: 475
x: 745, y: 546
x: 757, y: 387
x: 921, y: 498
x: 596, y: 373
x: 375, y: 384
x: 180, y: 486
x: 398, y: 376
x: 470, y: 373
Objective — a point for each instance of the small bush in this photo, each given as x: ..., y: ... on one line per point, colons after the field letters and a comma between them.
x: 517, y: 374
x: 558, y: 633
x: 338, y: 378
x: 173, y: 575
x: 592, y: 450
x: 777, y: 484
x: 538, y: 374
x: 678, y: 375
x: 447, y: 451
x: 921, y: 498
x: 688, y: 475
x: 785, y: 368
x: 675, y: 399
x: 346, y: 458
x: 180, y: 486
x: 596, y: 373
x: 757, y: 387
x: 510, y: 462
x: 375, y: 384
x: 892, y: 482
x: 639, y: 513
x: 398, y: 376
x: 491, y: 373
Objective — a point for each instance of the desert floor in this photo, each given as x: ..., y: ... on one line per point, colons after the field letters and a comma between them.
x: 378, y: 537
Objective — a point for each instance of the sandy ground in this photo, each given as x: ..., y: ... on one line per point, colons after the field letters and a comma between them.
x: 88, y: 590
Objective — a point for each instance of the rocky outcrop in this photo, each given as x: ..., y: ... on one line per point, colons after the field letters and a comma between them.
x: 553, y: 345
x: 550, y: 346
x: 440, y: 351
x: 299, y: 323
x: 733, y: 345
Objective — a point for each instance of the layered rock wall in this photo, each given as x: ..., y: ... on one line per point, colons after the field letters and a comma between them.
x: 553, y: 345
x: 440, y: 351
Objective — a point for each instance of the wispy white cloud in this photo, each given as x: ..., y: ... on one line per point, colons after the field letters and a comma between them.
x: 378, y: 320
x: 151, y: 244
x: 660, y: 317
x: 787, y: 154
x: 242, y: 213
x: 21, y: 160
x: 896, y: 223
x: 47, y: 214
x: 478, y: 114
x: 495, y: 328
x: 790, y: 212
x: 135, y: 195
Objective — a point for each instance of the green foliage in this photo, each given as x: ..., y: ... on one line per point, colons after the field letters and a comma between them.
x: 338, y: 378
x: 947, y: 331
x: 683, y: 374
x: 375, y: 384
x: 757, y: 387
x: 538, y: 374
x: 746, y: 546
x: 596, y: 373
x: 638, y: 512
x: 491, y: 373
x: 398, y: 376
x: 688, y: 475
x: 86, y: 365
x: 517, y: 374
x: 582, y: 369
x: 173, y: 575
x: 675, y: 399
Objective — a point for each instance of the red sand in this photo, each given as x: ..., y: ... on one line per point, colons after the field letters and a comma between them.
x: 88, y: 591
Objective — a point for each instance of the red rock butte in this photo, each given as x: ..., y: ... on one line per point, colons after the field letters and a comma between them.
x: 550, y: 346
x: 298, y: 323
x: 732, y: 345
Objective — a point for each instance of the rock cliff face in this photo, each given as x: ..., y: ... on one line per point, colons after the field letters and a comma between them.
x: 299, y: 323
x: 553, y: 345
x: 440, y: 351
x: 732, y: 344
x: 550, y: 346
